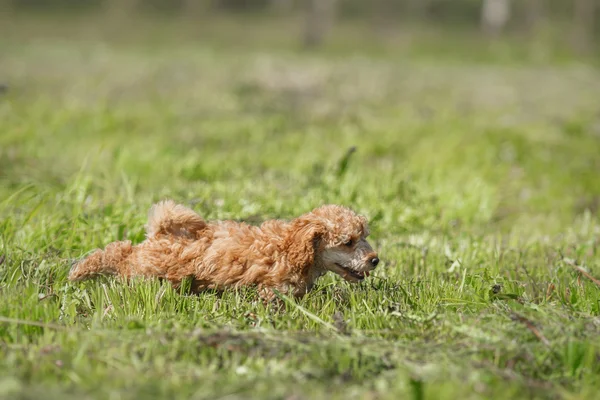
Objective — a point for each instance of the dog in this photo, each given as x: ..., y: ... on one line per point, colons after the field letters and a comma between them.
x: 277, y: 255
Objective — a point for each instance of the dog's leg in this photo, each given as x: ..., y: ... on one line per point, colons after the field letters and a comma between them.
x: 110, y: 261
x: 168, y: 218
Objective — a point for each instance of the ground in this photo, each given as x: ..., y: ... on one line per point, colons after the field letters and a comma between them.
x: 479, y: 176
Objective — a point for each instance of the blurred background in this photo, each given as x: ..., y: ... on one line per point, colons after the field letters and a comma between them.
x: 536, y: 29
x: 466, y: 114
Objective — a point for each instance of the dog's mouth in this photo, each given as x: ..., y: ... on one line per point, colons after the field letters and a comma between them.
x: 349, y: 274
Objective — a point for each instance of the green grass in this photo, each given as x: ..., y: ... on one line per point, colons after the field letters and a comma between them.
x: 481, y: 182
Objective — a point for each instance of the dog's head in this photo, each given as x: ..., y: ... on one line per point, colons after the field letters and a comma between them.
x: 332, y: 238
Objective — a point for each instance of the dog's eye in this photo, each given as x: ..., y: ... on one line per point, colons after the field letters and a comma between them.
x: 349, y: 243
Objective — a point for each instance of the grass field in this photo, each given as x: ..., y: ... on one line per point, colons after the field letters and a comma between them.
x: 480, y: 179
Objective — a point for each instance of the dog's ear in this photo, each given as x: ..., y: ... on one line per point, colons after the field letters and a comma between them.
x: 303, y: 242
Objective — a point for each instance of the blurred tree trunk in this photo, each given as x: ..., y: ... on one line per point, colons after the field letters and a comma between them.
x: 534, y: 13
x: 535, y: 25
x: 320, y: 17
x: 583, y: 24
x: 418, y: 8
x: 495, y: 14
x: 119, y: 10
x: 382, y: 17
x: 6, y: 7
x: 192, y: 8
x: 281, y: 6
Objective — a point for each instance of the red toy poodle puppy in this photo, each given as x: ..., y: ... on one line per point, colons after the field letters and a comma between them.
x: 281, y: 255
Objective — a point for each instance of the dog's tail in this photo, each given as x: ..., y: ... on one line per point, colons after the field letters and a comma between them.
x: 168, y: 218
x: 110, y: 261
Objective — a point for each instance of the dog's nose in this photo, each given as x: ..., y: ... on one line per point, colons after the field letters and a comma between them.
x: 374, y: 261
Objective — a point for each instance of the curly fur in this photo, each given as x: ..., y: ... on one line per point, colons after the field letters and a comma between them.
x: 287, y: 256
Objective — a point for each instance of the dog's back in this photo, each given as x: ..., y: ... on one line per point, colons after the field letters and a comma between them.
x: 170, y: 228
x: 181, y: 244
